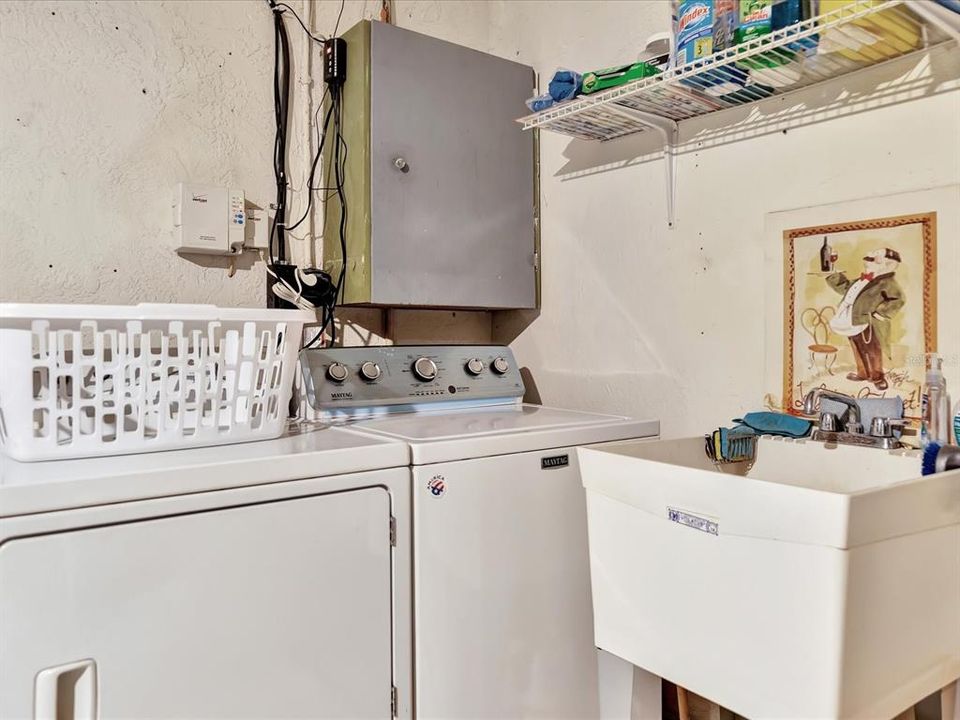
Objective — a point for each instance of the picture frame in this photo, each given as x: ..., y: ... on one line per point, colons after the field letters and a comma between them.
x: 929, y: 272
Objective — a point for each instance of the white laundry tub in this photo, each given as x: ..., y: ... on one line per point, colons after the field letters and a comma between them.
x: 823, y: 582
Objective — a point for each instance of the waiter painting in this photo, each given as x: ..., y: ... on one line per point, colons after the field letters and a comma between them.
x: 864, y: 313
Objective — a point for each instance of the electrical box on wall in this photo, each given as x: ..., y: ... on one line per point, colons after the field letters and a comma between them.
x: 439, y: 177
x: 209, y: 219
x: 257, y: 233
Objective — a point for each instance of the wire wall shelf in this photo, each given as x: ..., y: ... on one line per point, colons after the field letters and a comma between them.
x: 855, y: 36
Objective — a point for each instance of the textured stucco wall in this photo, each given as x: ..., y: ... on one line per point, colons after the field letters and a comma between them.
x: 107, y: 105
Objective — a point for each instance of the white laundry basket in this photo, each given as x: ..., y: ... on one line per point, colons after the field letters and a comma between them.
x: 88, y: 380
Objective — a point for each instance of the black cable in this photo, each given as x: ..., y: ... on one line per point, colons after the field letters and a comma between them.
x: 339, y: 15
x: 319, y: 39
x: 281, y: 99
x: 329, y: 309
x: 321, y: 139
x: 338, y: 156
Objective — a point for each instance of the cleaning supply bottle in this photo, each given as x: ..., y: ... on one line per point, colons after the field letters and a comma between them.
x: 702, y: 28
x: 933, y: 427
x: 956, y: 423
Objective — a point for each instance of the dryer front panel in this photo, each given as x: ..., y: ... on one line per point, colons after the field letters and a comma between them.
x: 277, y: 609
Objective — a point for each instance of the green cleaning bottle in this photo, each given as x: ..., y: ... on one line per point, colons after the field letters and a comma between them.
x: 755, y: 19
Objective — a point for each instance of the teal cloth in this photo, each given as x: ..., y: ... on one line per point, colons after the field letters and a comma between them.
x: 771, y: 423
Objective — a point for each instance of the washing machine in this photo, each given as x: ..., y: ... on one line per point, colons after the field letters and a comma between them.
x: 503, y: 624
x: 268, y: 579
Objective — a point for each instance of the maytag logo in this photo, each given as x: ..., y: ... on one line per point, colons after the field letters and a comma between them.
x: 341, y: 396
x: 554, y: 461
x: 199, y: 198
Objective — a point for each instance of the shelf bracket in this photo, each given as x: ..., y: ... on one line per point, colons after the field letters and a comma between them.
x: 670, y: 132
x: 936, y: 16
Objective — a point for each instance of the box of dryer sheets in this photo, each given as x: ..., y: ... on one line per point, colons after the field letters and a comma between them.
x: 702, y: 27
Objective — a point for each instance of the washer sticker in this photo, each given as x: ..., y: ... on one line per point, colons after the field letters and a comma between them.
x: 711, y: 527
x: 437, y: 486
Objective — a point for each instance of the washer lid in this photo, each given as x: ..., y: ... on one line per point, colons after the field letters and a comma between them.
x: 305, y: 451
x: 503, y: 429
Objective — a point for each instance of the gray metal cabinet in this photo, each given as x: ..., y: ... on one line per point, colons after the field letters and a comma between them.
x: 439, y: 176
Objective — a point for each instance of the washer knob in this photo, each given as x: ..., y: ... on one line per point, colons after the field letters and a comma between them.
x: 337, y: 372
x: 425, y: 369
x: 500, y: 366
x: 370, y: 371
x: 474, y: 366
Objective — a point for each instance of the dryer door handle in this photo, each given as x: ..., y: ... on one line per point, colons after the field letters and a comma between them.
x: 67, y: 692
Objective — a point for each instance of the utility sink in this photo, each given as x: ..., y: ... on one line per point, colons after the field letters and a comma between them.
x: 819, y: 582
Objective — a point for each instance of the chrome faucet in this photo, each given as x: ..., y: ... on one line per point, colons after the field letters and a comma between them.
x: 852, y: 415
x: 881, y: 433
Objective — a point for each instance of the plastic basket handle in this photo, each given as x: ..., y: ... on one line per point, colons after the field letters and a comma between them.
x: 186, y: 312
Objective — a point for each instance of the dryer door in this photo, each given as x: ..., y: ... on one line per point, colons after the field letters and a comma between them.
x: 279, y: 610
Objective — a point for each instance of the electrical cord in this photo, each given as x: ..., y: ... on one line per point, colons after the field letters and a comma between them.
x: 281, y: 103
x: 328, y: 295
x: 338, y: 157
x: 286, y: 293
x: 316, y: 38
x: 339, y: 15
x: 321, y: 139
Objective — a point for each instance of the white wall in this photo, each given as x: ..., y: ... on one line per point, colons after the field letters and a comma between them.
x: 648, y: 321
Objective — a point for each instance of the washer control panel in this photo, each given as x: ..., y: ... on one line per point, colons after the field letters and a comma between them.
x: 408, y: 374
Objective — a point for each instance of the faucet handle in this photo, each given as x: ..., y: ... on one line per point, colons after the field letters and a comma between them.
x: 829, y: 422
x: 882, y: 427
x: 854, y: 428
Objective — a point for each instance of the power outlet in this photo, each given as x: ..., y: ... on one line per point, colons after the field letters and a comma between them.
x: 257, y: 231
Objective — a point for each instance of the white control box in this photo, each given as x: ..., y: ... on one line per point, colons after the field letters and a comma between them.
x: 258, y: 229
x: 209, y: 219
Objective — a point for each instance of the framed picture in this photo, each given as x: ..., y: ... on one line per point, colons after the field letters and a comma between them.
x: 857, y: 293
x: 860, y: 307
